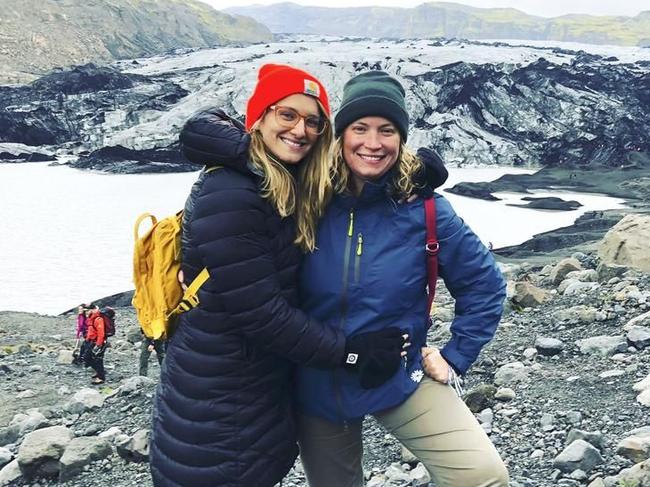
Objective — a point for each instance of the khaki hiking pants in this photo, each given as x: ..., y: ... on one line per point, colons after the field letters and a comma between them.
x: 434, y: 424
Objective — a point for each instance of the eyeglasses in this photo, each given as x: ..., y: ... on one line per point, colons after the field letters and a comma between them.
x: 289, y: 118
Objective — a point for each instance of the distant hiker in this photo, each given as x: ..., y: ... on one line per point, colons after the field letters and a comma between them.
x: 100, y: 324
x: 80, y: 335
x: 490, y: 246
x: 82, y: 326
x: 371, y: 272
x: 149, y: 345
x: 223, y: 413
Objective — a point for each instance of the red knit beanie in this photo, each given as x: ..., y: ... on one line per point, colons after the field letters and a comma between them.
x: 277, y: 81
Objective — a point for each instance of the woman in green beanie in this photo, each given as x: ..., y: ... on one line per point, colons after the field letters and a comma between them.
x: 369, y: 271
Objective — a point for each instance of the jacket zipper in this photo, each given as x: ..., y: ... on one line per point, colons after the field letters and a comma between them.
x: 357, y: 258
x: 344, y: 306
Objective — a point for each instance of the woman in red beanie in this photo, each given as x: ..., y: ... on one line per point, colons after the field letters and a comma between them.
x: 223, y: 411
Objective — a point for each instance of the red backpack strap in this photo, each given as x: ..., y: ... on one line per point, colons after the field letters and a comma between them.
x: 432, y: 248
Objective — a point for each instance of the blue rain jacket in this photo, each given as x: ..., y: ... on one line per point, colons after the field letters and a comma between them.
x: 369, y: 272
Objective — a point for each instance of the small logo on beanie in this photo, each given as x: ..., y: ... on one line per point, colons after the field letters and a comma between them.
x: 312, y: 88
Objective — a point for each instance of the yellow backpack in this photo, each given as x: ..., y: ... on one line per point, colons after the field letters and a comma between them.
x: 159, y: 296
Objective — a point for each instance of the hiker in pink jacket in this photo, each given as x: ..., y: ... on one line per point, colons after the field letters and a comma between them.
x: 82, y: 314
x: 80, y: 335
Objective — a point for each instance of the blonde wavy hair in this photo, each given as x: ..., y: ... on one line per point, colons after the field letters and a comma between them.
x: 403, y: 183
x: 306, y: 195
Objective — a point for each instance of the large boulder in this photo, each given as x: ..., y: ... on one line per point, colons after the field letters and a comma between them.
x: 563, y: 268
x: 577, y: 287
x: 134, y: 449
x: 548, y: 346
x: 81, y: 452
x: 40, y: 451
x: 642, y: 385
x: 511, y: 373
x: 480, y: 397
x: 65, y: 357
x: 84, y: 400
x: 21, y: 424
x: 639, y: 336
x: 578, y: 314
x: 603, y: 345
x: 644, y: 398
x: 594, y: 438
x: 636, y: 446
x: 132, y: 386
x: 9, y: 473
x: 527, y: 295
x: 578, y: 455
x: 626, y: 243
x: 5, y: 457
x: 607, y: 272
x: 641, y: 320
x: 637, y: 476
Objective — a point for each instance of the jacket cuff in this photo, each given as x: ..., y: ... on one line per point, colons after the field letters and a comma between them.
x: 451, y: 354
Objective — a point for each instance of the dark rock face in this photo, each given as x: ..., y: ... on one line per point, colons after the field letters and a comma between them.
x: 587, y: 113
x: 119, y: 300
x: 551, y: 203
x: 84, y: 79
x: 70, y: 106
x: 627, y: 183
x: 121, y: 160
x: 481, y: 191
x: 25, y: 157
x: 591, y: 226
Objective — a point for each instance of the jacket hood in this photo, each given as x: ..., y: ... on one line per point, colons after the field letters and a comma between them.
x: 213, y: 138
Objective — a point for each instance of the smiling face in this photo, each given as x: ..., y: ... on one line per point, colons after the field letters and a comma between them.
x: 370, y: 148
x: 290, y: 145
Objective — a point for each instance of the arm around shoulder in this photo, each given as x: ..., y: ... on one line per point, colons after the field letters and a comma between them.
x: 229, y: 227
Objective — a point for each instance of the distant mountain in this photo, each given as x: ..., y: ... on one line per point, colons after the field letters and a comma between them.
x: 38, y: 35
x: 442, y: 19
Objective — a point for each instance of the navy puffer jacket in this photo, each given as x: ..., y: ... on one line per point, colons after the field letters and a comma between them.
x: 223, y: 414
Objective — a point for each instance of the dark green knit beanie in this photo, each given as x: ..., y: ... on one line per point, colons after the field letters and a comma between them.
x: 373, y: 94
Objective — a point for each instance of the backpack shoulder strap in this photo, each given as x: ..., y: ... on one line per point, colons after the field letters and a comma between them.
x: 432, y: 248
x: 190, y: 297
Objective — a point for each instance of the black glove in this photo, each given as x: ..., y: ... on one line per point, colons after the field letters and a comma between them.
x: 375, y: 355
x: 434, y: 175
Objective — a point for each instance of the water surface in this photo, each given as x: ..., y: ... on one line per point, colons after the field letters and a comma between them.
x: 67, y: 235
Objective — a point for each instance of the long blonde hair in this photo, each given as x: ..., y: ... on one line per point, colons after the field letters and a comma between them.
x: 305, y: 196
x: 403, y: 183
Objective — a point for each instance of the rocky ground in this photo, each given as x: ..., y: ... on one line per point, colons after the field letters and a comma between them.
x: 555, y: 389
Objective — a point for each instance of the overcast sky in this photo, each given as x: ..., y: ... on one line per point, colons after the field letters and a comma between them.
x: 546, y: 8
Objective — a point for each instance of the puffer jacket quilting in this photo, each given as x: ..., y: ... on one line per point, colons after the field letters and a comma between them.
x: 370, y: 273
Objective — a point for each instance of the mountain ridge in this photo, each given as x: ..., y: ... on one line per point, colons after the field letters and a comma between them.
x: 446, y: 19
x: 37, y: 36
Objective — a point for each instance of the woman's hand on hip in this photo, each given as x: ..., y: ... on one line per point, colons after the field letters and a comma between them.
x: 435, y: 365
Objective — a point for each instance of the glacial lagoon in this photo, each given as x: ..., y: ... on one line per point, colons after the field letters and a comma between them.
x: 67, y: 235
